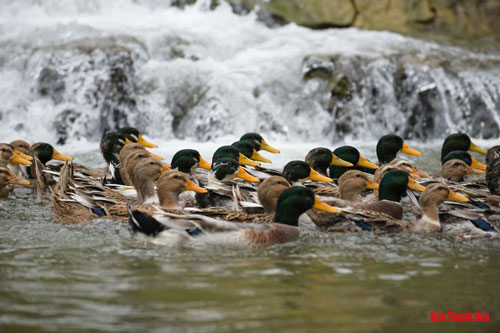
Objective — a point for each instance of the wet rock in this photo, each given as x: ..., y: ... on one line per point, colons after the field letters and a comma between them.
x: 51, y: 84
x: 63, y: 125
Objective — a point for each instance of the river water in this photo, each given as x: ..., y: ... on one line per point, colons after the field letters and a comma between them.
x: 97, y: 277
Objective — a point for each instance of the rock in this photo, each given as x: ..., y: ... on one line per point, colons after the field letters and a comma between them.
x: 51, y: 84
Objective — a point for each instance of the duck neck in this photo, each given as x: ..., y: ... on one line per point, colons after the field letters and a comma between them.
x: 348, y: 193
x: 169, y: 199
x: 146, y: 190
x: 430, y: 211
x: 286, y: 214
x: 391, y: 193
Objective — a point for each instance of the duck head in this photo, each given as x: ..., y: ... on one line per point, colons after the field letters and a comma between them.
x: 233, y: 153
x: 7, y: 177
x: 226, y: 169
x: 459, y: 141
x: 353, y: 182
x: 45, y: 152
x: 390, y: 145
x: 258, y: 142
x: 146, y: 172
x: 130, y: 148
x: 128, y: 164
x: 9, y: 155
x: 464, y: 156
x: 249, y: 151
x: 295, y: 201
x: 321, y: 158
x: 394, y: 185
x: 296, y: 172
x: 351, y: 155
x: 269, y: 191
x: 111, y: 144
x: 173, y: 183
x: 492, y: 154
x: 455, y: 170
x: 187, y: 160
x: 133, y: 135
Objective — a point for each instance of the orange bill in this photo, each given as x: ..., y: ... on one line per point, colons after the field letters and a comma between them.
x: 372, y: 185
x: 453, y: 196
x: 246, y: 161
x: 314, y: 175
x: 420, y: 173
x: 265, y: 146
x: 204, y: 164
x: 165, y: 168
x: 16, y: 158
x: 410, y: 151
x: 258, y: 157
x: 340, y: 162
x: 246, y: 176
x: 414, y: 185
x: 61, y: 157
x: 473, y: 171
x: 145, y: 143
x: 156, y: 157
x: 478, y: 165
x: 23, y: 155
x: 18, y: 180
x: 477, y: 149
x: 191, y: 186
x: 318, y: 204
x: 363, y: 162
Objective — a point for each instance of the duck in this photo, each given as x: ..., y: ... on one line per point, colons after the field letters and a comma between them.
x: 188, y: 160
x: 23, y: 149
x: 321, y: 158
x: 45, y: 152
x: 353, y: 156
x: 455, y: 170
x: 387, y: 211
x: 8, y: 155
x: 111, y: 144
x: 233, y: 153
x: 464, y: 156
x: 459, y: 141
x: 493, y: 170
x: 196, y: 229
x: 297, y: 172
x: 6, y: 178
x: 132, y: 134
x: 249, y: 151
x: 258, y: 142
x: 388, y: 147
x: 130, y: 162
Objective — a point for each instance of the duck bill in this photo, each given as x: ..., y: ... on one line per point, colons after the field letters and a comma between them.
x: 127, y: 141
x: 266, y: 147
x: 473, y: 171
x: 453, y: 196
x: 477, y: 149
x: 246, y: 161
x: 258, y: 157
x: 19, y: 160
x: 204, y: 164
x: 61, y: 157
x: 23, y: 155
x: 165, y: 168
x: 156, y: 157
x: 314, y: 175
x: 410, y: 151
x: 246, y: 176
x: 363, y: 162
x: 420, y: 173
x: 414, y: 175
x: 478, y: 165
x: 318, y: 204
x: 18, y: 180
x: 340, y: 162
x: 372, y: 185
x: 145, y: 143
x: 191, y: 186
x: 414, y: 185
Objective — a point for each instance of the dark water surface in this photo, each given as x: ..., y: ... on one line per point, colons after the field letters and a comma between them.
x: 96, y: 277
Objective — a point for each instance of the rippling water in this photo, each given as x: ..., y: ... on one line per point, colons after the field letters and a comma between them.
x: 97, y: 277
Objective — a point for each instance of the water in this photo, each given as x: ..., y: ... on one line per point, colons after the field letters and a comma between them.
x: 60, y: 277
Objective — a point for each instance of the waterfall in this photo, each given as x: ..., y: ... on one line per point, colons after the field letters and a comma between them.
x: 74, y: 69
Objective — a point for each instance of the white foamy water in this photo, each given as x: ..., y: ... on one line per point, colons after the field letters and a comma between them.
x: 70, y: 70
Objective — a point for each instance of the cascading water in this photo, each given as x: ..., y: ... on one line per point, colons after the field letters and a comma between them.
x: 71, y: 70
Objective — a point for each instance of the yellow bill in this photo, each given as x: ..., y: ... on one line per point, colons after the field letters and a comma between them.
x: 410, y: 151
x: 477, y: 149
x: 18, y: 180
x: 156, y: 157
x: 61, y: 157
x: 165, y: 168
x: 191, y: 186
x: 453, y: 196
x: 414, y: 185
x: 318, y: 204
x: 314, y: 175
x: 246, y: 161
x: 258, y: 157
x: 204, y: 164
x: 473, y: 171
x: 363, y: 162
x: 340, y: 162
x: 420, y: 173
x: 16, y: 158
x: 372, y: 185
x: 246, y: 176
x: 265, y: 146
x: 23, y: 155
x: 145, y: 143
x: 478, y: 165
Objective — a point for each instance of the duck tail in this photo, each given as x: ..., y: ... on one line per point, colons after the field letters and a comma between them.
x: 143, y: 223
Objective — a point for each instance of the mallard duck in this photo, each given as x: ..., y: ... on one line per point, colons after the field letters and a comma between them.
x: 23, y: 148
x: 352, y: 183
x: 321, y: 158
x: 269, y: 191
x: 464, y: 156
x: 390, y: 145
x: 455, y: 170
x: 8, y: 155
x: 6, y: 178
x: 386, y: 211
x: 258, y: 142
x: 44, y: 152
x: 111, y: 144
x: 174, y: 229
x: 249, y: 151
x: 296, y: 172
x: 233, y: 153
x: 459, y: 141
x: 132, y: 134
x: 351, y: 155
x: 187, y: 160
x: 493, y: 170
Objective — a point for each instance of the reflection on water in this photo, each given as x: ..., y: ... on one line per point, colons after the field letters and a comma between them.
x: 97, y: 277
